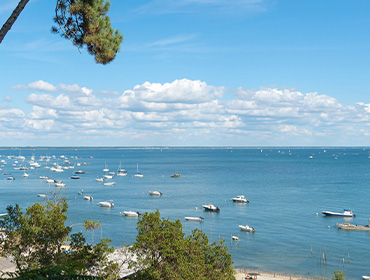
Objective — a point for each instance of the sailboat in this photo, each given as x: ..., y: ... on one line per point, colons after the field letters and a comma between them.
x: 105, y: 168
x: 137, y: 172
x: 121, y: 172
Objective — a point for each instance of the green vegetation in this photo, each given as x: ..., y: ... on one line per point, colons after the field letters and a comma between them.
x: 84, y: 23
x: 36, y: 239
x: 164, y: 252
x: 338, y: 275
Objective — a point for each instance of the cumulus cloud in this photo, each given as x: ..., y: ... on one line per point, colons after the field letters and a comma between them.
x: 191, y: 111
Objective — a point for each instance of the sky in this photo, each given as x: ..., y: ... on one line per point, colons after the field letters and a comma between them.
x: 192, y: 73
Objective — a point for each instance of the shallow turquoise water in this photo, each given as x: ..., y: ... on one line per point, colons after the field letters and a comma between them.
x: 286, y: 188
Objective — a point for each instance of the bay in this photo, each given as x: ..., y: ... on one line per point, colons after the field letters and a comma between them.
x: 287, y: 189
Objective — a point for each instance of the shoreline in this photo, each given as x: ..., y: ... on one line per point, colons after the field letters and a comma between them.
x: 268, y: 275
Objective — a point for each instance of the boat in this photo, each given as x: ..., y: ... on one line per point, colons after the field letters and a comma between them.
x: 122, y: 173
x: 75, y: 177
x: 88, y: 197
x: 79, y: 172
x: 131, y: 213
x: 155, y: 193
x: 60, y: 185
x: 41, y: 195
x: 210, y: 207
x: 109, y: 183
x: 348, y: 226
x: 194, y: 219
x: 108, y: 176
x: 50, y: 181
x: 105, y: 168
x: 10, y: 178
x: 25, y: 175
x: 99, y: 179
x: 3, y: 215
x: 109, y: 204
x: 176, y: 175
x: 44, y: 177
x: 346, y: 213
x: 138, y: 174
x: 233, y: 237
x: 247, y: 228
x: 240, y: 199
x: 366, y: 277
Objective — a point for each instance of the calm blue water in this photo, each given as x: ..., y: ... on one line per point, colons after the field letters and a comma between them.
x: 286, y: 188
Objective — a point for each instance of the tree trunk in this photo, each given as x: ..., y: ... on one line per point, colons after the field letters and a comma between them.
x: 9, y: 23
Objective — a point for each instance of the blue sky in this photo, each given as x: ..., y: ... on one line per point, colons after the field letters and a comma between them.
x: 192, y: 73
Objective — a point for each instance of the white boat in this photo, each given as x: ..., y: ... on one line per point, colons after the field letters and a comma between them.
x: 60, y: 185
x: 109, y: 204
x: 247, y: 228
x: 138, y: 174
x: 210, y: 207
x: 194, y: 219
x: 233, y: 237
x: 41, y: 195
x: 99, y: 179
x: 50, y: 181
x: 108, y: 177
x: 44, y: 177
x: 121, y: 172
x: 366, y: 277
x: 25, y: 175
x: 105, y: 168
x: 131, y: 213
x: 109, y: 183
x: 88, y: 197
x: 346, y: 213
x: 10, y: 178
x: 240, y: 199
x: 155, y: 193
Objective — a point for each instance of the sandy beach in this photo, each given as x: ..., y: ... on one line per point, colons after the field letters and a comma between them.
x: 241, y: 273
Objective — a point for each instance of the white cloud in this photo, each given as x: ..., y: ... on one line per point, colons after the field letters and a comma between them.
x: 190, y: 110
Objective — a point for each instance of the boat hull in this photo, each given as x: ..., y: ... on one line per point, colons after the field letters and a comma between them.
x: 194, y: 219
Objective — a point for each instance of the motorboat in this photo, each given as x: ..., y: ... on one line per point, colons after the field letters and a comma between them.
x: 3, y: 215
x: 346, y: 213
x: 240, y: 199
x: 50, y: 181
x: 60, y: 185
x: 247, y: 228
x: 79, y: 172
x: 75, y: 177
x: 88, y: 197
x: 155, y: 193
x: 108, y: 176
x: 25, y: 175
x: 109, y: 204
x: 210, y: 207
x: 10, y: 178
x: 109, y: 183
x: 194, y: 219
x: 41, y: 195
x: 131, y: 213
x: 366, y: 277
x: 348, y: 226
x: 44, y: 177
x: 99, y: 179
x: 121, y: 172
x: 176, y: 175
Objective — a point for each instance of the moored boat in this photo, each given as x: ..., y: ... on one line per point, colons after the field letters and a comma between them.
x: 131, y: 213
x: 247, y: 228
x: 109, y: 183
x: 240, y: 199
x: 348, y: 226
x: 210, y: 207
x: 109, y: 204
x: 88, y: 197
x: 176, y: 175
x: 3, y: 215
x: 194, y: 219
x: 346, y: 213
x: 155, y: 193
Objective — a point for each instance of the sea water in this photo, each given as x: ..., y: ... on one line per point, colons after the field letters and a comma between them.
x: 287, y: 190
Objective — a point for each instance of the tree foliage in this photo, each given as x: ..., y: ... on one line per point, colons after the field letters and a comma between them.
x: 35, y: 240
x: 84, y: 22
x: 338, y: 275
x: 164, y: 252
